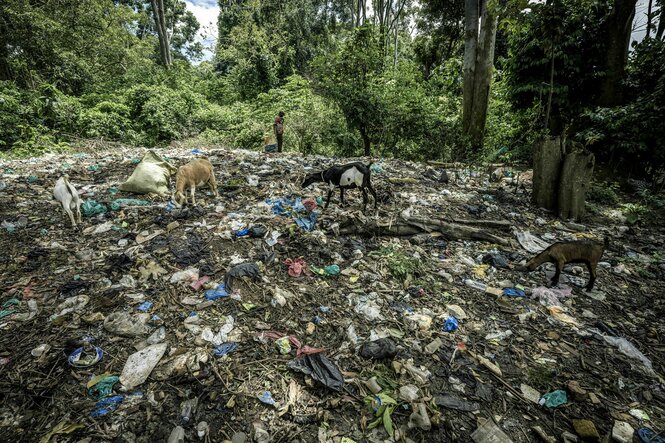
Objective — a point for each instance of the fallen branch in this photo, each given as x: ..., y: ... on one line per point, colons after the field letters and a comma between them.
x: 414, y: 225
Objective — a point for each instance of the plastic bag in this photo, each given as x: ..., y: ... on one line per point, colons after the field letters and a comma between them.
x: 242, y: 270
x: 320, y: 368
x: 122, y: 202
x: 626, y: 348
x: 550, y: 296
x: 451, y: 401
x: 554, y: 399
x: 530, y: 242
x: 378, y: 349
x: 140, y: 364
x: 150, y: 176
x: 451, y: 324
x: 91, y: 207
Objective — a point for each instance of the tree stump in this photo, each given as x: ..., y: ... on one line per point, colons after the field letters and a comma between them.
x: 575, y: 180
x: 546, y: 171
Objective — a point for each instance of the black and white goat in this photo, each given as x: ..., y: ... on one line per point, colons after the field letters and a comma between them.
x: 349, y: 176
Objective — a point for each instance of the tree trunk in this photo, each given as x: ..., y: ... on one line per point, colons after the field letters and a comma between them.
x: 575, y: 180
x: 366, y: 142
x: 619, y: 27
x: 469, y: 66
x: 546, y: 172
x: 160, y: 26
x: 661, y: 23
x: 649, y: 9
x: 483, y: 77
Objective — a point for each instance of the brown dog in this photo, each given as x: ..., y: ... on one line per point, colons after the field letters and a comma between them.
x: 198, y: 172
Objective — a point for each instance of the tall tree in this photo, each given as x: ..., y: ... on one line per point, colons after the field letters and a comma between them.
x: 478, y: 66
x: 661, y: 21
x: 618, y: 27
x: 441, y: 32
x: 162, y: 35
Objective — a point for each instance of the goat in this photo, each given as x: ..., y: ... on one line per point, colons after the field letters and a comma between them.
x: 68, y: 197
x: 588, y: 252
x: 195, y: 173
x: 349, y: 176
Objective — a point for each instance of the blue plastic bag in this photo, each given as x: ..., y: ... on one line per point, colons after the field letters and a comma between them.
x: 512, y: 292
x: 225, y: 348
x: 145, y: 306
x: 214, y: 294
x: 451, y: 324
x: 106, y: 405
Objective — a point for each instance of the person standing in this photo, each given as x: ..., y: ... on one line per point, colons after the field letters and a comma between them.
x: 278, y: 127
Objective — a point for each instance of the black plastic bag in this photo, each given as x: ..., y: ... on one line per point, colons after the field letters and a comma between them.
x: 257, y: 231
x: 242, y: 270
x: 496, y: 260
x: 320, y: 368
x: 378, y: 349
x: 454, y: 402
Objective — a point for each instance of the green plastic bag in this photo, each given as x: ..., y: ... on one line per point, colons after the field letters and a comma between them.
x: 91, y: 207
x: 554, y: 399
x: 121, y: 202
x: 150, y: 176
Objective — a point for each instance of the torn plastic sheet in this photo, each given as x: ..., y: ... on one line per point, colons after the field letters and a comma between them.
x: 241, y: 270
x: 320, y: 368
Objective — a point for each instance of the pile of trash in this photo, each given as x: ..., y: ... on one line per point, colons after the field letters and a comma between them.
x: 259, y: 316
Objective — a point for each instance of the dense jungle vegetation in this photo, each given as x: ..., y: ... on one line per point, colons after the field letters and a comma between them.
x: 429, y: 79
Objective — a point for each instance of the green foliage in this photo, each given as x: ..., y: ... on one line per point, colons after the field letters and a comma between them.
x: 347, y: 76
x: 604, y: 193
x: 634, y: 212
x: 634, y: 131
x: 401, y: 265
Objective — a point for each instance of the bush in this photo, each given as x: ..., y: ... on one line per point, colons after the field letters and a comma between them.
x: 161, y: 113
x: 604, y: 193
x: 108, y: 120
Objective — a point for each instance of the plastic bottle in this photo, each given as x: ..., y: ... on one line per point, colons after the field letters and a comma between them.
x: 475, y: 284
x: 187, y: 408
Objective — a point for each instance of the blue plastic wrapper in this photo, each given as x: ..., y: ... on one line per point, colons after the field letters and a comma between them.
x: 307, y: 223
x: 214, y: 294
x: 512, y: 292
x: 648, y: 436
x: 316, y: 320
x: 324, y: 309
x: 76, y: 361
x: 106, y: 405
x: 242, y: 233
x: 145, y: 306
x: 266, y: 398
x: 451, y: 324
x: 197, y: 151
x: 225, y: 348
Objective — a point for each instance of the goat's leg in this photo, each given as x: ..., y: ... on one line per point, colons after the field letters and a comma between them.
x: 557, y: 273
x: 68, y: 211
x: 330, y: 191
x: 78, y: 213
x: 592, y: 276
x: 213, y: 185
x: 373, y: 192
x: 341, y: 195
x: 364, y: 191
x: 193, y: 189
